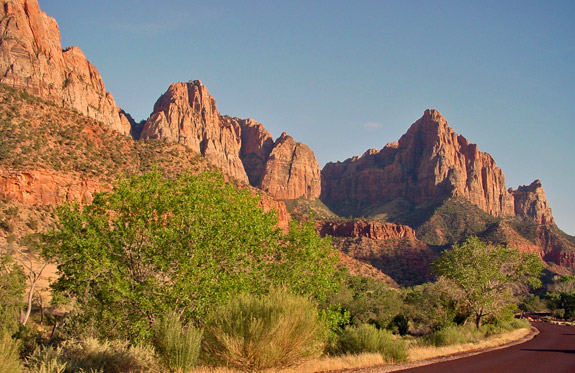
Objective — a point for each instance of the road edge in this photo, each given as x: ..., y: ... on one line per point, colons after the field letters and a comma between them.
x: 401, y: 366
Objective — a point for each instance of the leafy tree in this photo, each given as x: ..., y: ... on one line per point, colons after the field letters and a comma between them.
x: 561, y: 297
x: 367, y: 301
x: 155, y: 245
x: 434, y: 306
x: 486, y: 273
x: 12, y: 288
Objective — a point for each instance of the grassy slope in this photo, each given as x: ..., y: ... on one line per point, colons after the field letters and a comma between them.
x: 37, y: 134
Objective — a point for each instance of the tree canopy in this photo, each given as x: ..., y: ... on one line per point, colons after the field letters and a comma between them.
x: 155, y: 245
x: 486, y: 274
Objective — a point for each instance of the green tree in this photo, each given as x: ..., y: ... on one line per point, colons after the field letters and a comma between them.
x: 561, y: 297
x: 154, y: 245
x: 486, y: 273
x: 435, y: 305
x: 12, y: 288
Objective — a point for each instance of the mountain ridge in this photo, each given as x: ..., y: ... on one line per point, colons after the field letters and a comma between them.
x: 422, y: 178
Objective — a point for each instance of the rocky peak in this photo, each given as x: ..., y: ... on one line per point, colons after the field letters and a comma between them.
x: 429, y: 162
x: 257, y: 144
x: 187, y: 114
x: 243, y: 148
x: 531, y: 203
x: 32, y: 59
x: 291, y: 171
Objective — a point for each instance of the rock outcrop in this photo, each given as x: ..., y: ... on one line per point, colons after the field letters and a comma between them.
x: 531, y: 202
x: 43, y: 187
x: 392, y: 249
x: 187, y: 114
x: 291, y: 170
x: 374, y: 230
x: 430, y: 162
x: 32, y: 59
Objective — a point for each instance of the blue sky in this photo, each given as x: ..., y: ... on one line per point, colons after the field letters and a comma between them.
x: 345, y: 76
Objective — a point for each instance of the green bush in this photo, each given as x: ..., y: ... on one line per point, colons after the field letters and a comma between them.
x: 399, y: 325
x: 9, y: 359
x: 178, y: 347
x: 272, y: 331
x: 502, y: 326
x: 453, y: 334
x: 367, y: 338
x: 469, y: 334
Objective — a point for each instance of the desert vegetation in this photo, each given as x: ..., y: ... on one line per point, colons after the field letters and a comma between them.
x: 171, y: 273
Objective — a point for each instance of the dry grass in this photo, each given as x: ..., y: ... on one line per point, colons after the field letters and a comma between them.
x: 419, y: 353
x: 323, y: 364
x: 338, y: 363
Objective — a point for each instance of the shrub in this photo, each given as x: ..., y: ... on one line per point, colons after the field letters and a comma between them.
x: 453, y: 334
x: 272, y: 331
x: 367, y: 338
x: 9, y: 359
x: 108, y: 356
x: 47, y: 360
x: 399, y: 325
x: 178, y: 347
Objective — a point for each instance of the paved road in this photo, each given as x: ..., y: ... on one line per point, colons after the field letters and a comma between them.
x: 551, y: 351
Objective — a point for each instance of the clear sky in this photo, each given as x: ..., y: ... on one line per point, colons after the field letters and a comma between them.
x: 346, y: 76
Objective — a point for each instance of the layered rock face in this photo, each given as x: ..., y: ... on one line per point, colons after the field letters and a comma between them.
x: 291, y: 170
x: 530, y: 201
x: 32, y: 59
x: 429, y: 162
x: 374, y: 230
x: 47, y: 187
x: 392, y: 249
x: 187, y: 114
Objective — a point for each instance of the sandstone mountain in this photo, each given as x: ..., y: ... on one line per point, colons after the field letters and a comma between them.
x: 32, y: 59
x: 430, y: 162
x: 187, y: 114
x: 50, y: 155
x: 416, y: 197
x: 440, y: 184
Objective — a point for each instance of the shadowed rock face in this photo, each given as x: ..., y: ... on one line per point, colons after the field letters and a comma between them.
x: 374, y: 230
x: 32, y: 59
x: 393, y: 249
x: 430, y: 162
x: 243, y: 148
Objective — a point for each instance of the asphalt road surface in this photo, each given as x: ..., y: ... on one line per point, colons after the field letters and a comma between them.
x: 551, y: 351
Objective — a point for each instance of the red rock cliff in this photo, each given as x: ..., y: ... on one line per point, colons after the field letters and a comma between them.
x: 371, y: 229
x: 47, y: 187
x: 32, y: 59
x: 531, y: 202
x: 187, y: 114
x: 429, y: 162
x: 291, y: 170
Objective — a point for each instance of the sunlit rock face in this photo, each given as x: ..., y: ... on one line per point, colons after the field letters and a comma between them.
x: 32, y: 59
x: 242, y: 148
x: 431, y: 162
